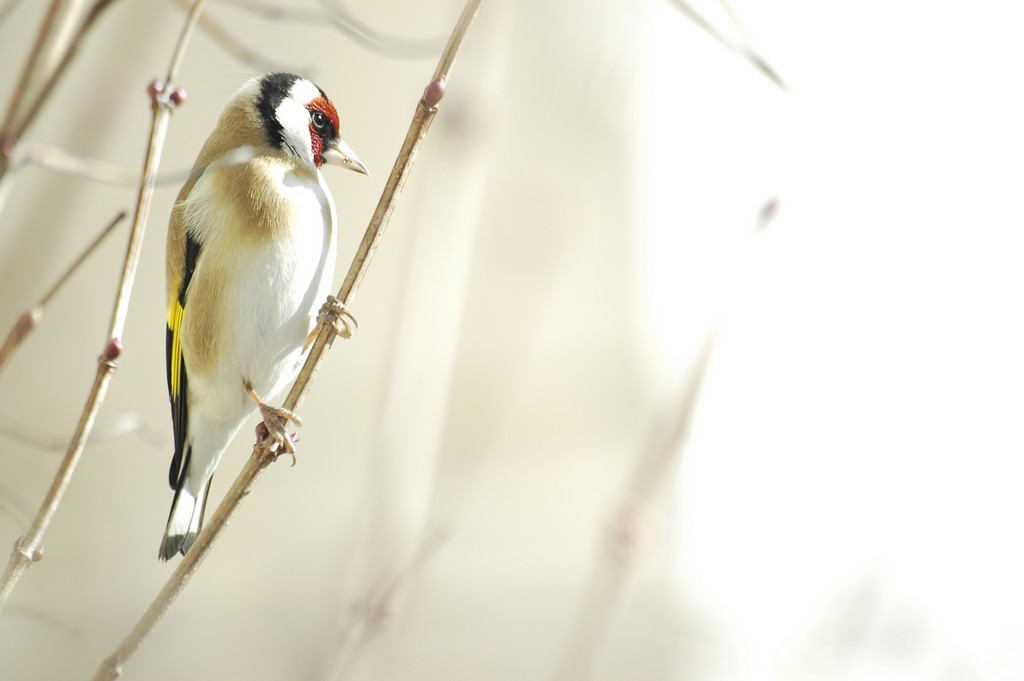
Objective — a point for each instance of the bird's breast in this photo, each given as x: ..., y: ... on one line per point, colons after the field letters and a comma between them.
x: 268, y: 254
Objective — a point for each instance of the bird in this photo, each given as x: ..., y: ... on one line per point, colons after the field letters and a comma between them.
x: 250, y: 258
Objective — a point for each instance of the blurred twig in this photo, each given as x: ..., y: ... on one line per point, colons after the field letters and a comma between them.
x: 330, y: 321
x: 119, y: 426
x: 60, y: 160
x: 55, y: 45
x: 345, y: 21
x: 742, y: 48
x: 30, y: 318
x: 9, y: 124
x: 632, y: 526
x: 634, y: 520
x: 765, y: 216
x: 234, y: 46
x: 378, y: 607
x: 50, y: 78
x: 44, y: 621
x: 165, y: 97
x: 7, y: 9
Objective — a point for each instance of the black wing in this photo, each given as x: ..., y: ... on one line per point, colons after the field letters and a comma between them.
x: 177, y: 377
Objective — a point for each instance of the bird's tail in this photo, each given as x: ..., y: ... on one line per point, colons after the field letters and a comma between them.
x: 185, y: 521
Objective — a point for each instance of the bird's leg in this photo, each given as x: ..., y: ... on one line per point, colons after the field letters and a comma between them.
x: 276, y: 420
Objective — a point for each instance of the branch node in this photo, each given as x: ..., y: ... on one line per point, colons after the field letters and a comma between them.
x: 112, y: 352
x: 434, y: 92
x: 28, y: 321
x: 155, y: 89
x: 33, y: 556
x: 632, y: 530
x: 113, y: 667
x: 165, y: 95
x: 178, y: 96
x: 334, y: 315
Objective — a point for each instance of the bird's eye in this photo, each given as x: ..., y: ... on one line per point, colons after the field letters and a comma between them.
x: 319, y: 121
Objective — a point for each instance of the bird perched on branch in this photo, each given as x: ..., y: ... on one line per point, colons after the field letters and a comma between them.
x: 250, y: 258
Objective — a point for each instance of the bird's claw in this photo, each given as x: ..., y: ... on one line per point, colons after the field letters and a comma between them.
x: 275, y: 421
x: 334, y: 313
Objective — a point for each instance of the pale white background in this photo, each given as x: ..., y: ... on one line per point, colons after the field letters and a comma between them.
x: 582, y: 217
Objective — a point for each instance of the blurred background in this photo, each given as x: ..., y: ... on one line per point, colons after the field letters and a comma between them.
x: 663, y: 371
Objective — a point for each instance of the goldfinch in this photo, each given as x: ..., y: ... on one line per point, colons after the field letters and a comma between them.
x: 250, y: 258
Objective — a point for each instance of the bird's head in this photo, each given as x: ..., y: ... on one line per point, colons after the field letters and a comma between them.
x: 299, y: 119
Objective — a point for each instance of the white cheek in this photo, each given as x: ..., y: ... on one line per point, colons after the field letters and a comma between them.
x: 294, y: 120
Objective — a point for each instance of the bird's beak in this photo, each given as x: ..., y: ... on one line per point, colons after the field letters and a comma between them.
x: 340, y: 154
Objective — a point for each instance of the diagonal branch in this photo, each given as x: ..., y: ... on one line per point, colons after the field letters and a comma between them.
x: 743, y: 49
x: 8, y: 9
x: 631, y: 527
x: 60, y: 160
x: 42, y: 79
x: 235, y: 47
x: 28, y: 549
x: 51, y: 78
x: 46, y: 27
x: 376, y: 609
x: 53, y: 49
x: 345, y: 21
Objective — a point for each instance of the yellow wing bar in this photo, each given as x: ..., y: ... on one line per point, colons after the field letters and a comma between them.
x: 174, y: 317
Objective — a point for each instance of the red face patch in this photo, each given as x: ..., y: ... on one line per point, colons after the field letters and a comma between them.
x: 323, y: 126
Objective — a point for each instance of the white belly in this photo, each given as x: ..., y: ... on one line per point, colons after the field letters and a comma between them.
x: 278, y: 298
x: 270, y: 292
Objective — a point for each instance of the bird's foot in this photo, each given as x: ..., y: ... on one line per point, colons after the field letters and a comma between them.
x: 334, y: 313
x: 275, y: 420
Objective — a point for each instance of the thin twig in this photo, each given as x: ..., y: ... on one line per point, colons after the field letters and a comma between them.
x: 60, y: 160
x: 235, y: 47
x: 264, y: 452
x: 81, y: 258
x: 346, y: 22
x: 743, y: 49
x: 8, y: 135
x: 18, y: 121
x: 164, y: 98
x: 634, y: 521
x: 128, y: 423
x: 8, y: 9
x: 30, y: 318
x: 62, y: 44
x: 45, y: 620
x: 377, y: 608
x: 631, y: 528
x: 21, y: 90
x: 50, y: 84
